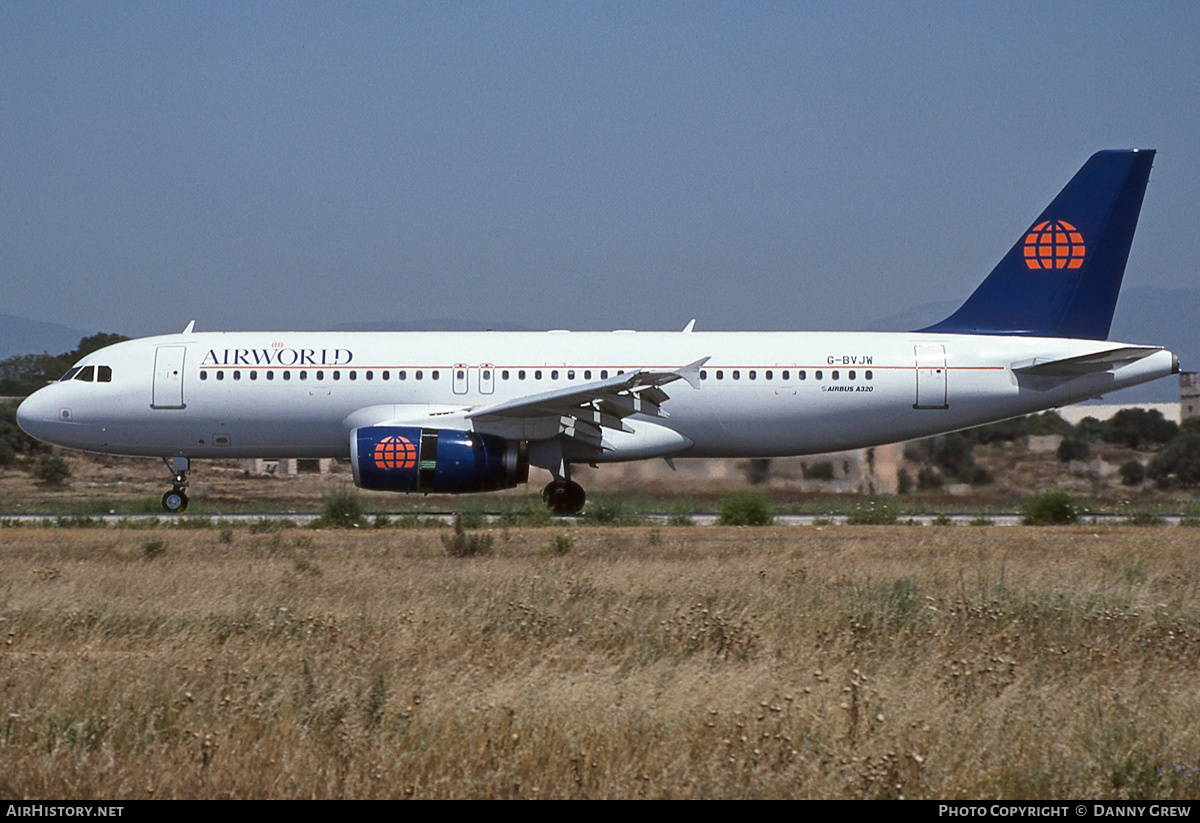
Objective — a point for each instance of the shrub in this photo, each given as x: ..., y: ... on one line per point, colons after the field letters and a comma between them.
x: 342, y: 511
x: 758, y: 469
x: 607, y: 513
x: 1178, y: 462
x: 154, y: 548
x: 1051, y: 509
x: 461, y: 544
x: 746, y: 508
x: 875, y: 513
x: 560, y: 544
x: 817, y: 471
x: 1132, y: 473
x: 1073, y: 448
x: 1138, y: 428
x: 928, y: 479
x: 679, y: 519
x: 904, y: 482
x: 51, y: 469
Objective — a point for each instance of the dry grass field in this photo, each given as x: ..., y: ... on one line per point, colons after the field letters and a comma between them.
x: 643, y: 662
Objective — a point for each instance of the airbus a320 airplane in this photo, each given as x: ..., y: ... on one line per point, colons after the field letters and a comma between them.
x: 470, y: 412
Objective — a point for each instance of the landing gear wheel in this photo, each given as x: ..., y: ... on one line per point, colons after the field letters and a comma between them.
x: 175, y: 501
x: 564, y: 497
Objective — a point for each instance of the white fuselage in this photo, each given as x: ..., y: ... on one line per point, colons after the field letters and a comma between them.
x: 299, y: 394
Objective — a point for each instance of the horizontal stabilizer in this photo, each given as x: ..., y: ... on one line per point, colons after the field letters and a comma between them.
x: 1085, y: 364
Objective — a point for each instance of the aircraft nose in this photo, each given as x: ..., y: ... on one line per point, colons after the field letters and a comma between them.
x: 34, y: 416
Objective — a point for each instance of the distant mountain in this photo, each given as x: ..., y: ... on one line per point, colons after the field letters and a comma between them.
x: 21, y: 336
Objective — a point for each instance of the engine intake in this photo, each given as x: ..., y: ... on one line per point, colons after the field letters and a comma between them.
x: 413, y: 459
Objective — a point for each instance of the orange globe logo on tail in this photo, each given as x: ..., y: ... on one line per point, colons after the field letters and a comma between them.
x: 395, y: 453
x: 1054, y: 244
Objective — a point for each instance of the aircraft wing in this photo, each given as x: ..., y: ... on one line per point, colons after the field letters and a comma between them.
x: 584, y: 411
x: 1085, y: 364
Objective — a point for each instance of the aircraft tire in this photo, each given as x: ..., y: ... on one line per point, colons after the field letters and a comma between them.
x: 174, y: 501
x: 565, y: 497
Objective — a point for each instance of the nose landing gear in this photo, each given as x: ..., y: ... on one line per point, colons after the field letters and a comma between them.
x: 176, y: 499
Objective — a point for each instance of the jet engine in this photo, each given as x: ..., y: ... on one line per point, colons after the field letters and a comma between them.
x: 414, y: 459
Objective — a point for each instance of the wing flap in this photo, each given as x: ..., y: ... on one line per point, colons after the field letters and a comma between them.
x: 584, y: 411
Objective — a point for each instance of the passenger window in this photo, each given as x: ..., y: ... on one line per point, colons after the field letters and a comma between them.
x: 868, y: 375
x: 103, y: 374
x: 851, y: 375
x: 737, y: 375
x: 604, y: 374
x: 253, y: 375
x: 87, y: 374
x: 403, y: 375
x: 435, y: 374
x: 554, y: 374
x: 203, y: 375
x: 220, y: 375
x: 504, y: 374
x: 720, y: 374
x: 833, y: 376
x: 303, y: 375
x: 571, y: 374
x: 383, y: 375
x: 537, y: 375
x: 337, y: 375
x: 520, y: 374
x: 237, y: 375
x: 803, y: 375
x: 287, y: 375
x: 769, y: 374
x: 419, y: 374
x: 752, y: 374
x: 270, y: 375
x: 370, y: 375
x: 785, y: 374
x: 353, y: 375
x: 703, y: 374
x: 321, y: 374
x: 818, y: 374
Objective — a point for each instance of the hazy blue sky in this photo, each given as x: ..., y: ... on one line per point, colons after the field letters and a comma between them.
x: 582, y: 165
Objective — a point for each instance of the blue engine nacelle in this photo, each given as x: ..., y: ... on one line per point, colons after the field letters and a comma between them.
x: 413, y: 459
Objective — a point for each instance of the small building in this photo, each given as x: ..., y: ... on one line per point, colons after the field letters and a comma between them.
x: 1189, y: 394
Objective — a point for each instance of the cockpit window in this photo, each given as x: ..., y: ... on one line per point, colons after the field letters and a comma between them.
x: 103, y: 374
x: 70, y: 373
x: 86, y: 374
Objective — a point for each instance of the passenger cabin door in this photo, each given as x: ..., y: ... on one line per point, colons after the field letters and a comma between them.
x: 168, y: 378
x: 487, y: 378
x: 931, y: 377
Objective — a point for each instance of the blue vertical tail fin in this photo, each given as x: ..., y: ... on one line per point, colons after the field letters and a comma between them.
x: 1062, y: 277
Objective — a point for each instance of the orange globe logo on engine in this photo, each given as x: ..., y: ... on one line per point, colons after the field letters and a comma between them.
x: 395, y: 453
x: 1054, y: 244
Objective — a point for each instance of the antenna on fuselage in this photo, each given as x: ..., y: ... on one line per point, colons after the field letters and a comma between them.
x: 188, y: 330
x: 691, y: 325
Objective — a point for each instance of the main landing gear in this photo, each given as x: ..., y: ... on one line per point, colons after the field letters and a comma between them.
x: 176, y: 499
x: 564, y: 497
